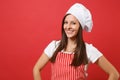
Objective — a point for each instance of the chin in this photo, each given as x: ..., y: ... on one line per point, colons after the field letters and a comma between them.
x: 70, y: 36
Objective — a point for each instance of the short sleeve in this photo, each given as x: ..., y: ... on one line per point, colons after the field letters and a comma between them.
x: 49, y: 50
x: 93, y: 53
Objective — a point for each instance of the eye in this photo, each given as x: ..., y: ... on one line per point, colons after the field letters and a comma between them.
x: 65, y: 22
x: 73, y: 23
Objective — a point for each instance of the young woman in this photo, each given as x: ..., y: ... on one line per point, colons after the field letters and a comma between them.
x: 70, y: 56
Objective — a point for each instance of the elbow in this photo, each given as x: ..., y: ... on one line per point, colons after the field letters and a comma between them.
x: 118, y: 75
x: 115, y: 76
x: 35, y: 70
x: 36, y: 73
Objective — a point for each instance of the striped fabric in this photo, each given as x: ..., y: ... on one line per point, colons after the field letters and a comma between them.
x: 62, y: 70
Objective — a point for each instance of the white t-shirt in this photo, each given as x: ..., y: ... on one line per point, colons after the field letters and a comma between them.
x: 92, y: 53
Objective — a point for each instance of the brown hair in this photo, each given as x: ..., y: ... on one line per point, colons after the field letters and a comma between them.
x: 80, y: 56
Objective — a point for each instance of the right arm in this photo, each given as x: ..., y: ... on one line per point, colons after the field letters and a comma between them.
x: 39, y: 65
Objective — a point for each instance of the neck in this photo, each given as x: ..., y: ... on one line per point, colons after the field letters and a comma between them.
x: 71, y: 45
x: 71, y: 41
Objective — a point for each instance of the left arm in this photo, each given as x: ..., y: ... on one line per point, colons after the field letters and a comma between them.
x: 103, y: 63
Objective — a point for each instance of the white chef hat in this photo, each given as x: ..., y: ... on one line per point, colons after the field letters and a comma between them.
x: 83, y: 15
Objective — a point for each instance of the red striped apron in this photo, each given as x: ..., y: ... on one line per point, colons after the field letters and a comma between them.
x: 62, y: 70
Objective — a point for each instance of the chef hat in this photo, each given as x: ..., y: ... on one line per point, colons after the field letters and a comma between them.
x: 83, y: 15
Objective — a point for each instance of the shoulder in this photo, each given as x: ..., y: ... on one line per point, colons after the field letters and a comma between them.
x: 92, y: 52
x: 51, y: 47
x: 54, y: 43
x: 90, y: 47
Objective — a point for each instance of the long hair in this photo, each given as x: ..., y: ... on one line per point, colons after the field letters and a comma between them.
x: 80, y: 56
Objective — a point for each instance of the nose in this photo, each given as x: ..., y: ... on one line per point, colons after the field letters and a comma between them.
x: 68, y: 26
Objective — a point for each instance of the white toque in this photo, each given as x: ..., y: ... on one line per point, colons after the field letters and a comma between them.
x: 83, y: 15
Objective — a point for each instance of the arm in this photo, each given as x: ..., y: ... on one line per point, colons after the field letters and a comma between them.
x: 39, y: 65
x: 108, y: 68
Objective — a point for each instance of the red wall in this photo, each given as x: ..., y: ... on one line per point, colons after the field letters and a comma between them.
x: 27, y: 26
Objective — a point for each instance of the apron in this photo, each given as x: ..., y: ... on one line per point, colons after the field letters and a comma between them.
x: 62, y: 70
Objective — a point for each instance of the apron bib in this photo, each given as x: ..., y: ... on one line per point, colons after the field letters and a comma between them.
x: 62, y: 70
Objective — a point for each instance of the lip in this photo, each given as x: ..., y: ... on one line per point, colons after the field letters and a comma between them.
x: 69, y: 31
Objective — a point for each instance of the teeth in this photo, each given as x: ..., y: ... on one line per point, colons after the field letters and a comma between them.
x: 69, y: 31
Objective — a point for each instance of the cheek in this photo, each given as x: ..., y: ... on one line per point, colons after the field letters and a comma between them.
x: 76, y: 30
x: 64, y: 27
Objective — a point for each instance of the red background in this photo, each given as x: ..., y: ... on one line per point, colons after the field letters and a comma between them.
x: 27, y: 26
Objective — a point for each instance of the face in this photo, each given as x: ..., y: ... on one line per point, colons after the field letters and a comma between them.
x: 71, y: 26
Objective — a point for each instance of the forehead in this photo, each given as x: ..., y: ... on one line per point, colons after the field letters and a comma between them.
x: 71, y: 18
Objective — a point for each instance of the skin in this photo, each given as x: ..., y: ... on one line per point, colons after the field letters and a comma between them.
x: 71, y: 26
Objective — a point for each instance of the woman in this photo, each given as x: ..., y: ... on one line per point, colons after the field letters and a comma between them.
x: 70, y: 56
